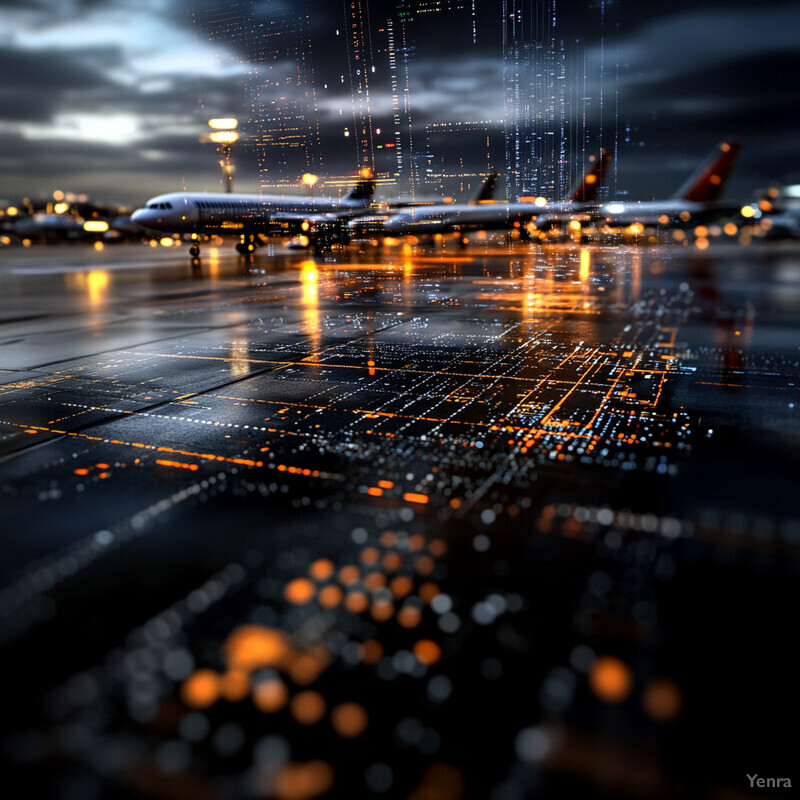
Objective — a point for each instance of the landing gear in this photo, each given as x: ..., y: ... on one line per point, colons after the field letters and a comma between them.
x: 247, y: 245
x: 194, y: 251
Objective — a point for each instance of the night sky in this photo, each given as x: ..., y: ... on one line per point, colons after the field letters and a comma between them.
x: 110, y: 97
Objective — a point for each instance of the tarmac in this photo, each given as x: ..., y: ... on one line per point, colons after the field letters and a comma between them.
x: 435, y: 523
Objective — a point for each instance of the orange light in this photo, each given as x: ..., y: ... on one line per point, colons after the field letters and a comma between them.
x: 252, y: 647
x: 349, y: 720
x: 299, y: 591
x: 321, y: 569
x: 427, y: 651
x: 413, y: 497
x: 234, y: 686
x: 307, y: 667
x: 409, y: 617
x: 201, y: 689
x: 662, y: 700
x: 610, y: 679
x: 349, y: 574
x: 270, y: 695
x: 303, y: 781
x: 308, y: 707
x: 330, y: 596
x: 382, y: 610
x: 356, y: 602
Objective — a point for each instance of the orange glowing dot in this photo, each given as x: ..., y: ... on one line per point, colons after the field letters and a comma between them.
x: 427, y: 651
x: 370, y: 555
x: 415, y: 497
x: 392, y: 561
x: 370, y: 363
x: 401, y: 586
x: 374, y: 491
x: 416, y: 542
x: 349, y: 574
x: 321, y: 569
x: 428, y: 591
x: 306, y: 668
x: 307, y: 707
x: 103, y: 475
x: 356, y: 602
x: 349, y: 720
x: 382, y: 610
x: 610, y: 679
x: 371, y: 652
x: 424, y: 565
x: 438, y: 547
x: 270, y: 696
x: 303, y: 781
x: 375, y: 581
x: 299, y: 591
x: 234, y: 686
x: 201, y: 689
x: 330, y: 596
x: 662, y: 700
x: 388, y: 538
x: 455, y: 503
x: 409, y: 617
x: 386, y: 485
x: 701, y: 244
x: 82, y: 471
x: 252, y: 647
x: 443, y: 782
x: 101, y: 466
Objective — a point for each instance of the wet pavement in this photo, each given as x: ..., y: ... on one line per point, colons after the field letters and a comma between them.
x: 435, y: 524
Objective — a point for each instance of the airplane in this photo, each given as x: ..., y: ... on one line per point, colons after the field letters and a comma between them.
x: 698, y: 200
x: 373, y: 225
x: 446, y: 218
x: 247, y: 215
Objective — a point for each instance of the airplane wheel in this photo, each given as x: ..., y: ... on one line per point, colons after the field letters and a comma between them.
x: 194, y: 251
x: 242, y: 249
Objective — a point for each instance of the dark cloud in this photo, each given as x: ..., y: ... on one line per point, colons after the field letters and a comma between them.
x: 689, y: 74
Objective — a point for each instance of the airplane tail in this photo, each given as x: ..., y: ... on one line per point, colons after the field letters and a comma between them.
x: 593, y: 179
x: 706, y: 185
x: 361, y: 193
x: 486, y: 192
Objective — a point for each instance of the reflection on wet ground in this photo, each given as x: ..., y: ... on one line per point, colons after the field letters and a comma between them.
x: 432, y: 525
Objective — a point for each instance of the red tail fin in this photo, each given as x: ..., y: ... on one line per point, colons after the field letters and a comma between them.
x: 708, y: 185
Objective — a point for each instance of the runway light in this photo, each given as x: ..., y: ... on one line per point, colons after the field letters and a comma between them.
x: 12, y: 211
x: 95, y: 226
x: 166, y: 241
x: 223, y: 123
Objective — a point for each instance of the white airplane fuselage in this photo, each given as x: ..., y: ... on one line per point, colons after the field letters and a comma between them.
x: 476, y: 216
x: 206, y: 213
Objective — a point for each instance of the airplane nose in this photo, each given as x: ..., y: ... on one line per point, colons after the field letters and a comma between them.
x: 138, y: 216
